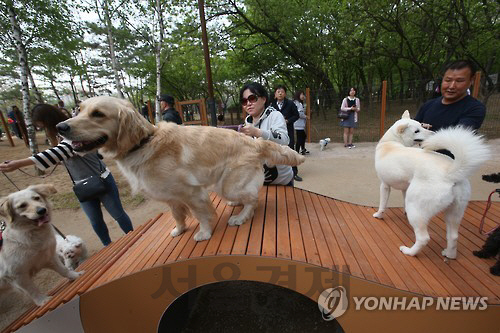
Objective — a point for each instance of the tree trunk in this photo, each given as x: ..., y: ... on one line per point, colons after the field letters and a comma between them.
x: 158, y: 61
x: 73, y: 89
x: 54, y: 89
x: 114, y: 62
x: 38, y: 95
x: 23, y: 66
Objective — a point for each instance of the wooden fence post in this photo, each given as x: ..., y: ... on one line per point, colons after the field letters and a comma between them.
x: 382, y: 108
x: 308, y: 114
x: 7, y: 130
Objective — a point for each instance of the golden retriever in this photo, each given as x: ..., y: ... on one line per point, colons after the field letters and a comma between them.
x: 29, y: 242
x: 176, y: 164
x: 431, y: 182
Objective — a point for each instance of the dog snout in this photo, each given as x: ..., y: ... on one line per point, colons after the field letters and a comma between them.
x: 63, y: 128
x: 41, y: 210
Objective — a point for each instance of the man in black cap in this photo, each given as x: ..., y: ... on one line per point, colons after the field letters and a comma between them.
x: 168, y: 113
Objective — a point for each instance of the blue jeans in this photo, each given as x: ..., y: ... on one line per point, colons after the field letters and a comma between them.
x: 112, y: 203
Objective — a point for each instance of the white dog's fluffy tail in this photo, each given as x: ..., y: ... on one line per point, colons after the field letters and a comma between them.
x: 469, y: 149
x: 275, y: 154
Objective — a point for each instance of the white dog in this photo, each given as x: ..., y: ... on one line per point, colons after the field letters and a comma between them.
x: 178, y: 165
x: 71, y: 250
x: 29, y: 243
x: 431, y: 182
x: 323, y: 143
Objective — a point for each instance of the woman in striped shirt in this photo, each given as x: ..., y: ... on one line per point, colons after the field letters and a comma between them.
x: 79, y: 167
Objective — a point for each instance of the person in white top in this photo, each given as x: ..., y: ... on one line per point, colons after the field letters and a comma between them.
x: 264, y: 121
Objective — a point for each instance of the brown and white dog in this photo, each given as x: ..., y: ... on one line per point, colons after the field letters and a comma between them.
x: 175, y: 164
x: 431, y: 182
x: 29, y: 242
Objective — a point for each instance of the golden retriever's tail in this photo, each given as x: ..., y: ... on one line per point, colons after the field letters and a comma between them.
x: 275, y: 154
x: 469, y: 149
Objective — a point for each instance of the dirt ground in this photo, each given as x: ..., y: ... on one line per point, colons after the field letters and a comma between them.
x: 344, y: 174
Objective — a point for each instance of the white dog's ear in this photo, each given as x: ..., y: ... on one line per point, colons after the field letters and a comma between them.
x: 43, y: 189
x: 6, y: 208
x: 406, y: 115
x: 402, y: 128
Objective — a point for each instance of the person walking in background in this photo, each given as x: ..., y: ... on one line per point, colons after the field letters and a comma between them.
x: 300, y: 124
x: 289, y: 111
x: 79, y: 167
x: 352, y: 105
x: 264, y: 121
x: 13, y: 121
x: 168, y: 113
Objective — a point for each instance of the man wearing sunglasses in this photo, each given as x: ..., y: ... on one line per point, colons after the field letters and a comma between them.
x: 291, y: 114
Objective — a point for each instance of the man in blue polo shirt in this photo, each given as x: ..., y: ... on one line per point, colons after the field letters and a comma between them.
x: 455, y: 106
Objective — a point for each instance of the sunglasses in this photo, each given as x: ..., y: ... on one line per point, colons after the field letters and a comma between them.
x: 251, y: 98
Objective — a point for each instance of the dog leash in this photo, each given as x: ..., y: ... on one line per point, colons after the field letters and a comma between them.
x: 22, y: 171
x: 3, y: 225
x: 488, y: 205
x: 58, y: 231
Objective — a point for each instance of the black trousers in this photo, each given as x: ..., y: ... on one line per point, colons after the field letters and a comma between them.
x: 301, y: 140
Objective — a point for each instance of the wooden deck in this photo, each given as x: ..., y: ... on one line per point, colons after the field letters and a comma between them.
x: 291, y: 227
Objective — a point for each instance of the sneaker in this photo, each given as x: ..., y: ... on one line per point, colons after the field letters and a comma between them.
x: 347, y: 146
x: 352, y: 146
x: 297, y: 178
x: 305, y: 151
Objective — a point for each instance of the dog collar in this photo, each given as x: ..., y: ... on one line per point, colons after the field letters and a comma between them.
x: 140, y: 145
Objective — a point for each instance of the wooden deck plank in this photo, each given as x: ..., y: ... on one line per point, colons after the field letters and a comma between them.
x: 380, y: 251
x: 296, y: 242
x: 282, y: 227
x: 269, y: 236
x: 308, y: 237
x: 344, y: 219
x: 351, y: 264
x: 227, y: 243
x: 368, y: 246
x: 311, y: 201
x: 242, y: 239
x: 257, y: 229
x: 325, y: 217
x: 216, y: 239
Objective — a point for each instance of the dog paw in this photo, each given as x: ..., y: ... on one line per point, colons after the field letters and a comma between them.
x: 481, y: 254
x: 202, y: 235
x: 74, y: 275
x: 42, y: 300
x: 406, y: 250
x: 379, y: 215
x: 235, y: 220
x: 449, y: 254
x: 234, y: 203
x: 176, y: 232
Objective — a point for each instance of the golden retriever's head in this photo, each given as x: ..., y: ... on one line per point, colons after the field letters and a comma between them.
x: 28, y: 208
x: 106, y: 122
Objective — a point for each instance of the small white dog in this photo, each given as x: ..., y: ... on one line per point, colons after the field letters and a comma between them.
x: 323, y: 143
x: 431, y: 182
x: 71, y: 250
x: 29, y: 243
